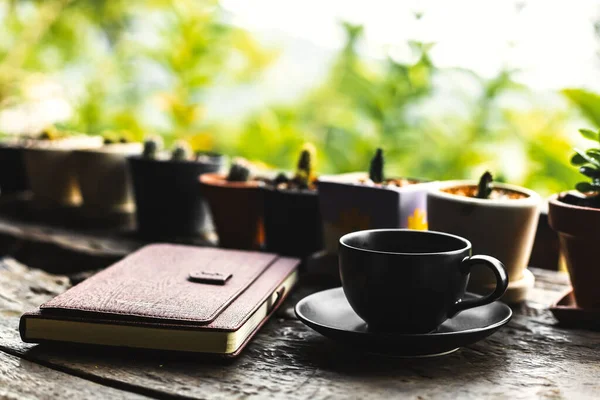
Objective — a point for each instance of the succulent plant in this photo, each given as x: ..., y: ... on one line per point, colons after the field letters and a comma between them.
x: 484, y: 188
x: 304, y: 175
x: 376, y: 167
x: 181, y: 151
x: 152, y: 146
x: 112, y: 137
x: 589, y: 165
x: 280, y: 179
x: 239, y: 171
x: 49, y: 133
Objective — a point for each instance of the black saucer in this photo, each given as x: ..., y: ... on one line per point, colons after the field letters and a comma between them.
x: 329, y: 313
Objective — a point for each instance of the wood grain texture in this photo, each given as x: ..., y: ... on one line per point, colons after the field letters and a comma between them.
x: 529, y: 358
x: 21, y: 379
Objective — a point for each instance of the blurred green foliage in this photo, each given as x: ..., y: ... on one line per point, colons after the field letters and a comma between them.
x: 397, y: 106
x: 145, y: 67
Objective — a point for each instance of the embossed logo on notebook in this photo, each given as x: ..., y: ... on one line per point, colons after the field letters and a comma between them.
x: 211, y: 277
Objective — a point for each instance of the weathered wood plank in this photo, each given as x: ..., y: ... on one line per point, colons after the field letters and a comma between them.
x: 531, y: 357
x: 22, y: 379
x: 290, y: 361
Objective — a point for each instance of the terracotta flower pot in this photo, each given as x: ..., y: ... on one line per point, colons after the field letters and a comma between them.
x: 348, y: 205
x: 237, y: 211
x: 51, y: 168
x: 502, y: 228
x: 103, y: 177
x: 13, y: 178
x: 546, y: 247
x: 167, y: 199
x: 579, y: 232
x: 293, y: 225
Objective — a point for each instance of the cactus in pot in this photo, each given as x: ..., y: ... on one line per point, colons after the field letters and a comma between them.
x: 152, y: 147
x: 181, y: 151
x: 236, y: 204
x: 484, y: 187
x: 293, y: 225
x: 370, y: 200
x: 238, y: 172
x: 168, y: 202
x: 498, y: 219
x: 376, y: 167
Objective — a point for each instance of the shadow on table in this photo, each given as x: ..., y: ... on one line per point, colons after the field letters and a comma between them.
x: 328, y: 355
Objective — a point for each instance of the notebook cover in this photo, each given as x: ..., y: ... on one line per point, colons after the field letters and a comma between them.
x: 231, y: 319
x: 284, y: 267
x: 154, y: 284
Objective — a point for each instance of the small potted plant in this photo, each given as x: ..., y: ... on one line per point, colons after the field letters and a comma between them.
x: 293, y: 225
x: 575, y: 216
x: 13, y: 178
x: 358, y: 201
x: 236, y: 206
x: 498, y: 219
x: 50, y: 166
x: 103, y: 176
x: 167, y: 201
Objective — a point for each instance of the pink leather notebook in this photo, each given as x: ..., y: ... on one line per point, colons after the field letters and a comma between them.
x: 169, y: 297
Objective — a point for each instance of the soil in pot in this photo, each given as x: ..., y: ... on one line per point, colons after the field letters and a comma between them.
x: 167, y: 200
x: 496, y: 193
x: 236, y: 209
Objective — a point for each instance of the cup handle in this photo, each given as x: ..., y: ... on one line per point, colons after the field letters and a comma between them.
x: 501, y: 282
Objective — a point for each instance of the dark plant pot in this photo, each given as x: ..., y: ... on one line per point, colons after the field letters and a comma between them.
x: 237, y: 211
x: 103, y: 177
x: 347, y: 206
x: 167, y: 199
x: 293, y: 225
x: 13, y: 178
x: 546, y: 247
x: 579, y: 233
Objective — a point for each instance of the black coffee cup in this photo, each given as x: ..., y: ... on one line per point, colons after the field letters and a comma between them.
x: 408, y: 281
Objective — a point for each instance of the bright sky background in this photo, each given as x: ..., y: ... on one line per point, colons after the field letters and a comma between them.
x: 552, y: 41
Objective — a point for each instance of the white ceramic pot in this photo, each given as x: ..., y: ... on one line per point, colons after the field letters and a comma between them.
x: 51, y: 170
x: 103, y: 177
x: 501, y: 228
x: 347, y: 205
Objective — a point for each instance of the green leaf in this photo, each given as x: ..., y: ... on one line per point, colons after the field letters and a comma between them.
x: 588, y: 102
x: 578, y: 160
x: 585, y: 187
x: 590, y: 172
x: 594, y: 153
x: 587, y: 158
x: 588, y: 134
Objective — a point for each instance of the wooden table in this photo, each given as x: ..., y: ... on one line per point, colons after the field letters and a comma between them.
x: 529, y: 358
